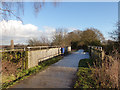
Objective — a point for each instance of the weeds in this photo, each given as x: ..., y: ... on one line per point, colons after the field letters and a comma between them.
x: 98, y: 73
x: 106, y: 72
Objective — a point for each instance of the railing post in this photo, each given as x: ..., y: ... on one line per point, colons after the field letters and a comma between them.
x: 103, y: 54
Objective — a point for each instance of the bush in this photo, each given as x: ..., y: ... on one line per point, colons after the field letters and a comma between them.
x: 107, y: 74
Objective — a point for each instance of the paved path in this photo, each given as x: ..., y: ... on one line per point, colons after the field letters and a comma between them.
x: 58, y: 75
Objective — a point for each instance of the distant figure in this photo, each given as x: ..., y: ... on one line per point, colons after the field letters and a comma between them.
x: 62, y: 50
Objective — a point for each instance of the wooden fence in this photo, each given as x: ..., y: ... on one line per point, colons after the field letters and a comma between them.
x: 96, y: 52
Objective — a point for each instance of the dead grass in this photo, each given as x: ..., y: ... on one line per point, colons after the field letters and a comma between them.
x: 106, y: 74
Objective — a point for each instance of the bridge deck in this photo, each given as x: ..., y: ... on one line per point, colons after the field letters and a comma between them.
x: 58, y: 75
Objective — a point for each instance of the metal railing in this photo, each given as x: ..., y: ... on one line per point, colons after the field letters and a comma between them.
x: 40, y: 47
x: 28, y: 48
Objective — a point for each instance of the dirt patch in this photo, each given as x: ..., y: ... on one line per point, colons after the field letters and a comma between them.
x: 10, y: 68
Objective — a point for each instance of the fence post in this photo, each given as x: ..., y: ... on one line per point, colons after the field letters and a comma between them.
x: 103, y: 54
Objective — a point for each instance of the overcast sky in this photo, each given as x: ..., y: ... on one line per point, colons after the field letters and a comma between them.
x: 72, y: 15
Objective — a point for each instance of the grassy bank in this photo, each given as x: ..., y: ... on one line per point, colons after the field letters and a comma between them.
x: 26, y: 73
x: 91, y: 75
x: 84, y: 75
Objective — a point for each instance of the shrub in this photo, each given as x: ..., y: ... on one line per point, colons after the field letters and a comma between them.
x: 107, y: 74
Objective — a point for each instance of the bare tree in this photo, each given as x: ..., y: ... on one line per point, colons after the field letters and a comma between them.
x: 99, y: 34
x: 15, y: 9
x: 89, y: 37
x: 75, y: 35
x: 9, y: 9
x: 77, y: 38
x: 59, y: 37
x: 43, y: 41
x: 116, y: 33
x: 33, y: 42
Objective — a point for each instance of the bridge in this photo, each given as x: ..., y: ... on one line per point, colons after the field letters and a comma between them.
x: 58, y: 75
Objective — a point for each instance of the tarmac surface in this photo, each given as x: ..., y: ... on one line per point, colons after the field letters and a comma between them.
x: 59, y: 75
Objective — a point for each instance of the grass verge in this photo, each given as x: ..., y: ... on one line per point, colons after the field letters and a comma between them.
x: 84, y: 75
x: 26, y: 73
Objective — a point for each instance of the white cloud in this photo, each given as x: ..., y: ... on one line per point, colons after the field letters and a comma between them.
x: 48, y: 31
x: 20, y: 33
x: 72, y: 29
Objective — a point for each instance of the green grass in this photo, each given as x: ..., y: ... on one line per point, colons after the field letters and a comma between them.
x: 85, y: 63
x: 26, y: 73
x: 84, y: 75
x: 85, y: 79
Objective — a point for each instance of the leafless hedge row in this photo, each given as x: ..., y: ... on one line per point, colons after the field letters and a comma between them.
x: 107, y: 68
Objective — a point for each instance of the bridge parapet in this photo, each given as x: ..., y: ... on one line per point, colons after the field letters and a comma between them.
x: 35, y: 54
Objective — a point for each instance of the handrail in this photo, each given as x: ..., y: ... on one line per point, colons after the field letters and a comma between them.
x: 26, y: 48
x: 96, y: 48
